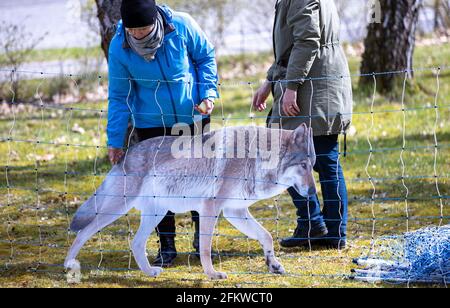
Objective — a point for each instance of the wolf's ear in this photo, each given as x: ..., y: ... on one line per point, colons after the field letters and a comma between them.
x: 300, y: 134
x: 311, y: 149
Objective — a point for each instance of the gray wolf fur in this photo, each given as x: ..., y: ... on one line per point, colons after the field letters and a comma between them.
x: 156, y: 182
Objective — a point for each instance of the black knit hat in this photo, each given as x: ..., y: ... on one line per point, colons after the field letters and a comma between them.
x: 138, y: 13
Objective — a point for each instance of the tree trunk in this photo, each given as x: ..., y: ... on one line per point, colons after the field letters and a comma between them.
x: 108, y: 16
x: 389, y: 45
x: 436, y: 15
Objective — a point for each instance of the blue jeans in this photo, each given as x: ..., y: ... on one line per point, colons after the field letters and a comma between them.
x: 334, y: 191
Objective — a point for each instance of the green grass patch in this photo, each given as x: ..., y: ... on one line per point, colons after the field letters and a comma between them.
x: 60, y: 54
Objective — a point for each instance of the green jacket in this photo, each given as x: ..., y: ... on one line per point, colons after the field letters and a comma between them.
x: 310, y: 59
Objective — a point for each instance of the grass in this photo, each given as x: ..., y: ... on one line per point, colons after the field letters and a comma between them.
x: 60, y: 54
x: 43, y: 218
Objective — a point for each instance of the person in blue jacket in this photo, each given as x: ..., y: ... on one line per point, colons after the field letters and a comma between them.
x: 161, y: 68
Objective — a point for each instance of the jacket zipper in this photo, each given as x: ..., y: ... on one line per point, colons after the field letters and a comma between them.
x: 170, y: 90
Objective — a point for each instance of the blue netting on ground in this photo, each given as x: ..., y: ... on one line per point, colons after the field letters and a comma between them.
x: 422, y: 256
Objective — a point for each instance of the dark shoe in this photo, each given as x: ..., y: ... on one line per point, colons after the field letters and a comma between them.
x: 167, y: 252
x: 303, y: 237
x: 196, y: 242
x: 332, y: 244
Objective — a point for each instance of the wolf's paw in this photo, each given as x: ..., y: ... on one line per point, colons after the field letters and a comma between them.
x: 73, y: 275
x: 217, y: 276
x: 277, y: 268
x: 154, y: 271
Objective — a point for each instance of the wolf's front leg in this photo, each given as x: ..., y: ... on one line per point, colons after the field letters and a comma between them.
x: 208, y: 218
x: 247, y: 224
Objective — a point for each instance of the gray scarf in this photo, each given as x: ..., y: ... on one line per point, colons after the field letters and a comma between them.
x: 148, y: 46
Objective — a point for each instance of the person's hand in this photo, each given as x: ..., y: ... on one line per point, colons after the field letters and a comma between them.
x: 206, y: 107
x: 290, y: 107
x: 259, y: 100
x: 115, y: 155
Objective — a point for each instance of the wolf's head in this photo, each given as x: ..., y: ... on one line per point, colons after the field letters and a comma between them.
x: 297, y: 164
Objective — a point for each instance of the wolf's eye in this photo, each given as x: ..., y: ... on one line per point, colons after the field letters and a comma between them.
x: 303, y: 165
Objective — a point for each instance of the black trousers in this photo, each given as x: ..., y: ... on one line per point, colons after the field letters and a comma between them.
x: 167, y: 225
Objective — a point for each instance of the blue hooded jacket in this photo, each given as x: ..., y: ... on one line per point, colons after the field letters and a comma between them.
x: 183, y: 73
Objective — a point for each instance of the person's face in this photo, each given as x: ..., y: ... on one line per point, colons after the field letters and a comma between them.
x: 140, y: 33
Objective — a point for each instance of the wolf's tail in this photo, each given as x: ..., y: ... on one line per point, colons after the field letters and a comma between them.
x: 102, y: 205
x: 85, y: 215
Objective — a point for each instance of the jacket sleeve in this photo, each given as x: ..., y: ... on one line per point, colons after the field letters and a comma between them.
x: 270, y: 72
x: 118, y: 111
x: 202, y: 52
x: 304, y: 20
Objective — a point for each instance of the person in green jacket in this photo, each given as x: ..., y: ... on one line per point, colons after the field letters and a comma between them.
x: 310, y: 84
